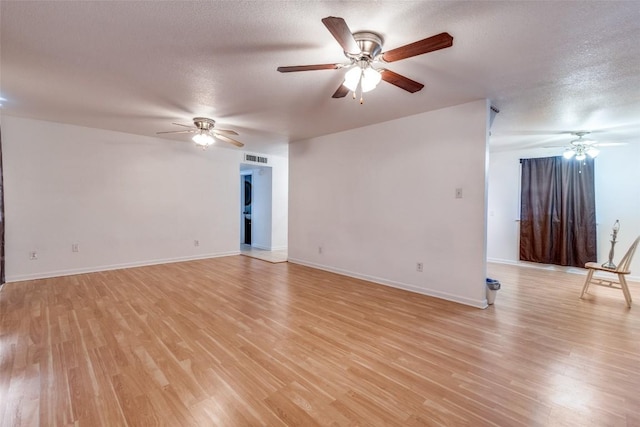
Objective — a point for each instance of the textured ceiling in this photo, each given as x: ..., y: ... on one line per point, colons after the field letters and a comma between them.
x: 137, y: 66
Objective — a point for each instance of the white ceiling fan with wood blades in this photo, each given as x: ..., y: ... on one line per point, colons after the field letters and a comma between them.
x: 205, y: 132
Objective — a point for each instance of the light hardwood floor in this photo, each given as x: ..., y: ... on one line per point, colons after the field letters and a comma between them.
x: 237, y: 341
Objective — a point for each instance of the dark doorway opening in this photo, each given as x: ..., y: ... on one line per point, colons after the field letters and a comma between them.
x: 247, y: 209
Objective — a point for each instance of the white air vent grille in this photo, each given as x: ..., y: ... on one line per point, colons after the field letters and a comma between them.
x: 255, y: 159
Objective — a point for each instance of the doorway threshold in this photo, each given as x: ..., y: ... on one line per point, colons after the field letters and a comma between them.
x: 274, y: 257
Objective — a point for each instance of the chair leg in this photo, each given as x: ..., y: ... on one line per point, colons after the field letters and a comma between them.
x: 586, y: 283
x: 625, y: 289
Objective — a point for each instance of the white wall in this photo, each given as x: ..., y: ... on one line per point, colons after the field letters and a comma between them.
x: 617, y: 174
x: 503, y: 207
x: 125, y: 199
x: 279, y: 202
x: 261, y: 208
x: 381, y: 198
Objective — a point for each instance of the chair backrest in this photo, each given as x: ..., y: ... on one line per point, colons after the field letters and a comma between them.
x: 626, y: 259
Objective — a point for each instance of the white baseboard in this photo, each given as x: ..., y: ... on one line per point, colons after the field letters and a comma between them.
x: 380, y: 281
x: 503, y: 261
x: 95, y: 269
x: 552, y: 267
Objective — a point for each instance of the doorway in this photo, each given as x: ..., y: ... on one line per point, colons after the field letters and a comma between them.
x: 256, y: 206
x: 246, y: 210
x: 263, y: 211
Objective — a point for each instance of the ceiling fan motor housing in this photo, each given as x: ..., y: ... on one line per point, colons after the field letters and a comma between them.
x: 581, y: 140
x: 204, y: 123
x: 370, y: 46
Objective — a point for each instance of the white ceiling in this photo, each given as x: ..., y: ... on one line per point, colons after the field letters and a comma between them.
x: 138, y: 66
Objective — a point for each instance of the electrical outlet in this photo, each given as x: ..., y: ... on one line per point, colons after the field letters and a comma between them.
x: 33, y: 255
x: 419, y: 267
x: 458, y: 193
x: 196, y: 243
x: 75, y: 247
x: 320, y: 250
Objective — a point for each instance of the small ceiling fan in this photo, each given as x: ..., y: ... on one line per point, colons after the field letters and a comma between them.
x: 204, y: 132
x: 582, y: 147
x: 363, y: 50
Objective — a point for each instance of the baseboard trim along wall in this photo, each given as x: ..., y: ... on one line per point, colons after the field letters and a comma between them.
x: 442, y: 295
x: 71, y: 272
x: 572, y: 270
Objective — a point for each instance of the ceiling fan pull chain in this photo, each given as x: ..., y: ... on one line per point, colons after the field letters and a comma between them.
x: 360, y: 86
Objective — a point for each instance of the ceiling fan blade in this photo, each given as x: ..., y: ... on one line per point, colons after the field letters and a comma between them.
x: 180, y: 124
x: 609, y: 144
x: 229, y: 140
x: 401, y: 81
x: 534, y: 132
x: 430, y: 44
x: 295, y: 68
x: 341, y: 32
x: 227, y: 131
x: 177, y: 131
x: 341, y: 92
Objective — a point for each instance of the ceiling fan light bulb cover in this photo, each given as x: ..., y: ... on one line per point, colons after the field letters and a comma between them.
x: 370, y: 79
x: 367, y: 78
x: 352, y: 78
x: 581, y: 156
x: 203, y: 139
x: 568, y: 154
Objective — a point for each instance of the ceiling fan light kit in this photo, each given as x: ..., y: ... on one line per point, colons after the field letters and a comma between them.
x: 366, y: 77
x: 580, y: 154
x: 203, y: 139
x: 362, y: 74
x: 581, y: 148
x: 363, y: 50
x: 205, y: 134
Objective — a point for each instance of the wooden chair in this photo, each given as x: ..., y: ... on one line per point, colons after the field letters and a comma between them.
x: 620, y: 271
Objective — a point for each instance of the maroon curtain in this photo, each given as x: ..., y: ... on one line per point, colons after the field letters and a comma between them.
x: 558, y: 211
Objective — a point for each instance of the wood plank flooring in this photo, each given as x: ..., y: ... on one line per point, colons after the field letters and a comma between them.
x: 237, y: 341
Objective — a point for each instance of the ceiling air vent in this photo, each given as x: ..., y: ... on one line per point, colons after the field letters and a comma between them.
x: 255, y: 159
